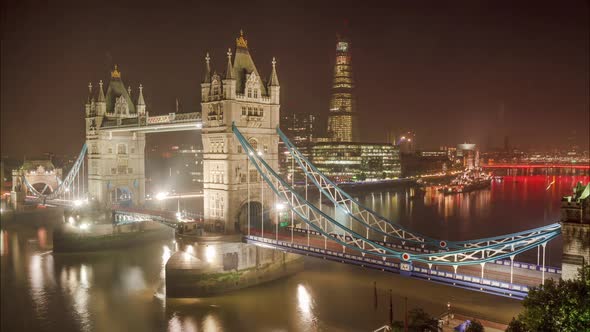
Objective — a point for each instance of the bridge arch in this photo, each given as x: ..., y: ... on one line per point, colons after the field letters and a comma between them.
x: 121, y: 195
x: 255, y: 217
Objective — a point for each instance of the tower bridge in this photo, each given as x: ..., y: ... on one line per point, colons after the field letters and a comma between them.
x: 244, y: 193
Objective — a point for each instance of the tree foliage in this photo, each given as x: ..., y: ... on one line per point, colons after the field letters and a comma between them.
x: 420, y: 321
x: 557, y: 306
x: 475, y: 326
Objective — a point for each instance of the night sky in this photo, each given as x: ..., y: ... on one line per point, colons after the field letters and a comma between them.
x: 445, y: 70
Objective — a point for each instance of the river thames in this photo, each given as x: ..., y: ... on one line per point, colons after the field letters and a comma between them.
x: 123, y: 290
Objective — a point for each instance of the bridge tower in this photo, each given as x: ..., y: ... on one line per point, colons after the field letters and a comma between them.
x: 41, y: 174
x: 243, y: 97
x: 116, y: 166
x: 575, y: 221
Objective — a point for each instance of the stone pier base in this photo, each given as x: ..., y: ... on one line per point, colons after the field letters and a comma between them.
x: 211, y: 269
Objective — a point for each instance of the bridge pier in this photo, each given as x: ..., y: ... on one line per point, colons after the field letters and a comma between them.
x: 211, y: 268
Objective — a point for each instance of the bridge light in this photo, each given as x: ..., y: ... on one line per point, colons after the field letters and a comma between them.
x: 199, y: 125
x: 78, y: 202
x: 280, y: 206
x: 71, y: 220
x: 210, y: 254
x: 84, y: 227
x: 260, y: 153
x: 161, y: 195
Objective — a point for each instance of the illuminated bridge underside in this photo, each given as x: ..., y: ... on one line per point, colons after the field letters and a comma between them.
x: 341, y: 235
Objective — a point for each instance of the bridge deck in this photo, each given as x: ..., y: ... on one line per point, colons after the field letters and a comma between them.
x: 496, y: 277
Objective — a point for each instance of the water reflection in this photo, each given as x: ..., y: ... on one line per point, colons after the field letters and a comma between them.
x: 178, y: 323
x: 305, y: 304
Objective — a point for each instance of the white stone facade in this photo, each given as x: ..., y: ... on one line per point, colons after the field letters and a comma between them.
x: 255, y: 111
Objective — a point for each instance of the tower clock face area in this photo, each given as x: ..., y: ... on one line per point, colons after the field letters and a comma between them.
x: 342, y: 46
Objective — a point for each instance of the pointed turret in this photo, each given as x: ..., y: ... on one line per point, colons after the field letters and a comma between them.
x: 87, y: 106
x: 89, y: 93
x: 207, y: 77
x: 274, y: 80
x: 140, y: 101
x: 206, y: 84
x: 101, y: 107
x: 229, y: 82
x: 229, y: 71
x: 274, y: 89
x: 101, y: 98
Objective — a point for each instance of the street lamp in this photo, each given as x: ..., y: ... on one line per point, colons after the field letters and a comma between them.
x: 448, y: 313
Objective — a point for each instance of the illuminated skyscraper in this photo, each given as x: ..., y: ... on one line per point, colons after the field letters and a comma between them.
x: 342, y: 119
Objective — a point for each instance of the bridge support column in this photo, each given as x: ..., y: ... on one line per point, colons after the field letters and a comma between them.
x: 543, y: 271
x: 511, y: 268
x: 482, y: 268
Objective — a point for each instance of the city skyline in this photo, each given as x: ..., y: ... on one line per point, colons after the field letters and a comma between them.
x: 523, y: 77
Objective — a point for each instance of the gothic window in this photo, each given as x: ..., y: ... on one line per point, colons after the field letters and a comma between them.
x: 255, y: 93
x: 254, y: 143
x: 249, y: 92
x: 129, y: 170
x: 265, y: 149
x: 110, y: 150
x: 113, y: 171
x: 121, y: 149
x: 239, y: 148
x: 132, y: 150
x: 244, y: 111
x: 121, y: 106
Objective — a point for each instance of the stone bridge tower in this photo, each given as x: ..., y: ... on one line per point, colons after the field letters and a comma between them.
x: 243, y: 97
x: 115, y: 156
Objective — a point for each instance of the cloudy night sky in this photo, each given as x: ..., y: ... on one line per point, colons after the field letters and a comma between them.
x: 452, y: 71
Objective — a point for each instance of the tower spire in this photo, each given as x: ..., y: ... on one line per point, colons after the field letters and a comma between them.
x: 140, y: 100
x: 274, y: 79
x: 207, y: 78
x: 101, y: 98
x: 229, y: 71
x: 89, y: 92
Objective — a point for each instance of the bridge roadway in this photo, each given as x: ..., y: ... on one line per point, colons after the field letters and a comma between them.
x: 496, y: 278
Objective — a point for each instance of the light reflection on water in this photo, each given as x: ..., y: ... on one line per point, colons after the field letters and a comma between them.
x: 122, y: 290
